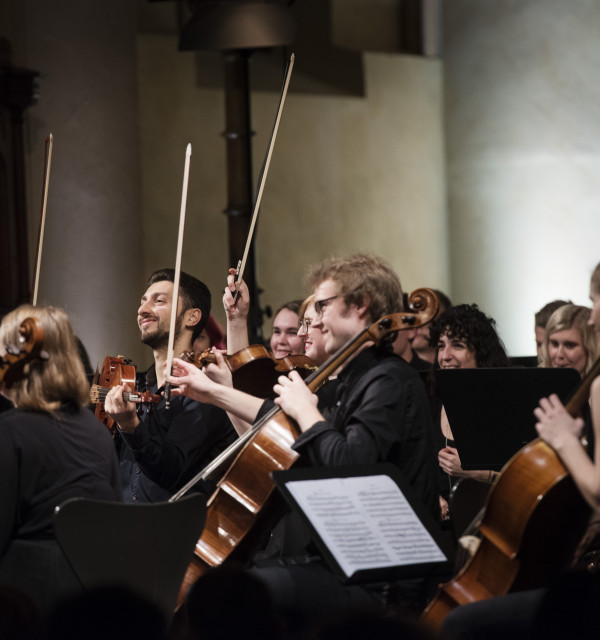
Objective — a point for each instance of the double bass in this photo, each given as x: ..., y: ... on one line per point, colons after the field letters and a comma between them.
x: 533, y: 520
x: 241, y: 507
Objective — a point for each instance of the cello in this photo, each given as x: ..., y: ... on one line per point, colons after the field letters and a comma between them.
x: 533, y: 520
x: 242, y: 499
x: 12, y: 363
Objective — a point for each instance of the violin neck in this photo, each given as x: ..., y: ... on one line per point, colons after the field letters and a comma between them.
x: 98, y: 394
x: 131, y: 396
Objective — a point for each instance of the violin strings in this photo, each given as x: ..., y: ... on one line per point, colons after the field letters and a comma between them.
x: 98, y: 394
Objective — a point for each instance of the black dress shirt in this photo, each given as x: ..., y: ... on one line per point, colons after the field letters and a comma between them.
x: 170, y: 446
x: 380, y: 414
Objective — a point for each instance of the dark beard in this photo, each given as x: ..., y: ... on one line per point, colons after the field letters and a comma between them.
x: 160, y: 340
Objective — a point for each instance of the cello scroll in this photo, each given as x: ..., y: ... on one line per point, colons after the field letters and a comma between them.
x: 12, y: 363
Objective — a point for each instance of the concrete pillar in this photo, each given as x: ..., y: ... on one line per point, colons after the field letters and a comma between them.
x: 522, y: 107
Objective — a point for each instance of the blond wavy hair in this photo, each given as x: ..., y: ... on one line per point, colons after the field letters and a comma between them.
x: 362, y: 277
x: 60, y: 379
x: 571, y: 316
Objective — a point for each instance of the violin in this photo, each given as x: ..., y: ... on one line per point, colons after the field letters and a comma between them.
x: 532, y: 522
x: 31, y: 339
x: 116, y: 371
x: 254, y: 369
x: 243, y: 496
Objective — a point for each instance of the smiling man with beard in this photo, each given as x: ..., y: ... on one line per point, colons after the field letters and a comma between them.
x: 161, y: 449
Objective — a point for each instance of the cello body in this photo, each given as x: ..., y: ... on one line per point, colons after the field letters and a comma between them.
x: 533, y: 520
x: 244, y: 492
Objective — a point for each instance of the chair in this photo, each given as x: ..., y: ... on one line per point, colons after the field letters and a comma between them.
x: 146, y: 548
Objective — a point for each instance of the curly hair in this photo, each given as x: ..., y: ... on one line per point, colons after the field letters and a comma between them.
x: 467, y: 322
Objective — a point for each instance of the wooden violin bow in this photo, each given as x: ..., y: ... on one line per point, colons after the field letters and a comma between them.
x: 177, y: 276
x: 263, y: 177
x: 40, y: 242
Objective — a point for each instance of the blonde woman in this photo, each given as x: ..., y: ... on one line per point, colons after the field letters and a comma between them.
x: 570, y: 340
x: 51, y: 448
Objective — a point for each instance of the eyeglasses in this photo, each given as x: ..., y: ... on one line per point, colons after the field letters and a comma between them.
x: 321, y: 304
x: 304, y: 324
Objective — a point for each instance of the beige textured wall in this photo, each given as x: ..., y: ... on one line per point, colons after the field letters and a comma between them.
x: 348, y: 174
x: 91, y: 261
x: 521, y: 120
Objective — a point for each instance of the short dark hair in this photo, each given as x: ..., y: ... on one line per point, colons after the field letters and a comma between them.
x: 292, y: 305
x: 194, y: 294
x: 543, y: 315
x: 467, y: 322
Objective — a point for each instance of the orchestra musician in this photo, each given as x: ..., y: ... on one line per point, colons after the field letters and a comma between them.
x: 525, y: 614
x: 464, y: 338
x: 379, y: 414
x: 570, y: 340
x: 161, y: 449
x: 52, y: 448
x: 541, y: 320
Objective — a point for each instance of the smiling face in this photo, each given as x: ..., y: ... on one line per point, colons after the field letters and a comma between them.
x: 566, y: 349
x: 337, y: 321
x: 284, y: 339
x: 314, y: 345
x: 454, y: 353
x: 154, y: 315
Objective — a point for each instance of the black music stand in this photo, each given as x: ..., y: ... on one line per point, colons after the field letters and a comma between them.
x: 490, y: 411
x: 145, y: 548
x: 366, y: 521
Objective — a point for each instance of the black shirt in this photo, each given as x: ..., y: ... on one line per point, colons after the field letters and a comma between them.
x: 380, y: 414
x: 170, y: 446
x: 46, y: 459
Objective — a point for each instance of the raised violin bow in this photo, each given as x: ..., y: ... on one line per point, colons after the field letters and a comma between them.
x: 177, y: 276
x: 263, y: 177
x: 40, y: 242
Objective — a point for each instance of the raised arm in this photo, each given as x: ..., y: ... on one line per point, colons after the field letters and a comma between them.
x: 237, y: 314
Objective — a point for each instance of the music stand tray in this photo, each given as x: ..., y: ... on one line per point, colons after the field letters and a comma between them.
x: 490, y: 411
x: 366, y: 521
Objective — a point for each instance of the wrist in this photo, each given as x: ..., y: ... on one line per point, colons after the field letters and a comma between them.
x: 128, y: 426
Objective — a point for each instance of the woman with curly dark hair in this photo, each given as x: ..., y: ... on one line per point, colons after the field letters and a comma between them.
x: 464, y: 338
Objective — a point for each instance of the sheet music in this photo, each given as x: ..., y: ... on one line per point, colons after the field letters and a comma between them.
x: 366, y: 522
